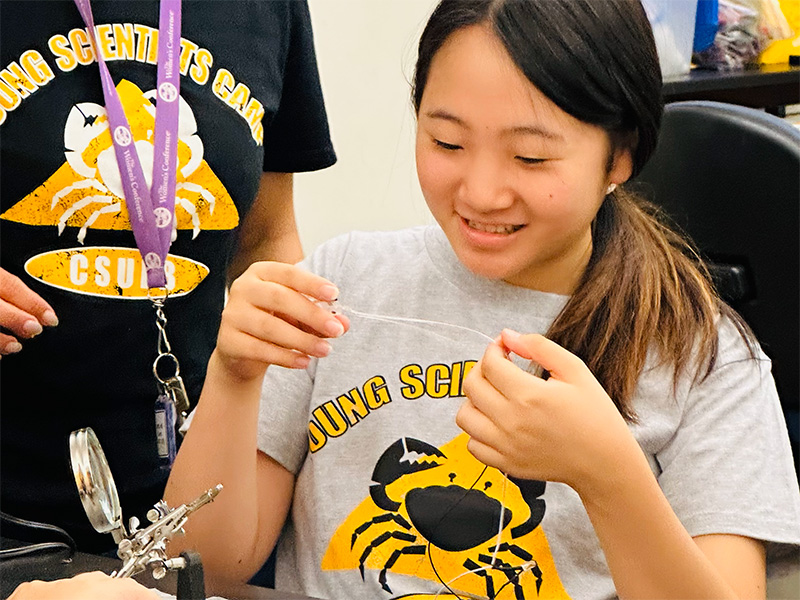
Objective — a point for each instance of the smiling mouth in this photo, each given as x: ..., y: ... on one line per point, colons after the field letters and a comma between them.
x: 493, y: 228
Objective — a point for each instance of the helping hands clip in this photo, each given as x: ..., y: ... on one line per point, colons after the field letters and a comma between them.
x: 147, y: 547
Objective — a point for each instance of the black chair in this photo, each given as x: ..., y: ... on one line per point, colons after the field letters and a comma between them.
x: 729, y: 176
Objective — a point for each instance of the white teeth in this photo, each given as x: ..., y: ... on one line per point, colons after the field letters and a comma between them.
x: 489, y: 228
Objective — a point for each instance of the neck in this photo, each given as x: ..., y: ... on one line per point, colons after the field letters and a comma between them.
x: 562, y: 274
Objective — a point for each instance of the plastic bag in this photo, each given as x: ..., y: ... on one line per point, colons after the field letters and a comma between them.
x: 673, y: 23
x: 746, y: 27
x: 773, y: 25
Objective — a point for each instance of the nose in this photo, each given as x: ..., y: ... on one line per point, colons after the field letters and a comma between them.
x: 485, y: 186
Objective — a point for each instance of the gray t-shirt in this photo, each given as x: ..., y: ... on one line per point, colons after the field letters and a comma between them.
x: 388, y: 501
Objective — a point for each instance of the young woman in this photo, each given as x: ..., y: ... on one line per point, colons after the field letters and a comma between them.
x: 650, y: 459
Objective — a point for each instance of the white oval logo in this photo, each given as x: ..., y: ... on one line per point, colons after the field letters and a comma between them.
x: 108, y: 272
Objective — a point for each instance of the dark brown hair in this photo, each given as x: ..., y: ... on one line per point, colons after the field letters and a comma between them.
x: 644, y: 288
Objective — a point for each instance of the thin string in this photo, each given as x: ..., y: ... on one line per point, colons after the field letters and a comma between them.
x: 491, y: 565
x: 502, y: 514
x: 409, y: 320
x: 336, y: 306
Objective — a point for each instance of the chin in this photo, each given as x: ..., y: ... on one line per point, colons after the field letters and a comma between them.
x: 493, y: 269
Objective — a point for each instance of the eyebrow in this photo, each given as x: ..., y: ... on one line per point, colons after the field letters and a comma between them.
x: 511, y: 131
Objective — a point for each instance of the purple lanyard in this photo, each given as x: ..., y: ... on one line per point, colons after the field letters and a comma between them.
x: 150, y: 211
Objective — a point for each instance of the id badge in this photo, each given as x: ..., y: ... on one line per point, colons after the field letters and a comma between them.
x: 165, y: 414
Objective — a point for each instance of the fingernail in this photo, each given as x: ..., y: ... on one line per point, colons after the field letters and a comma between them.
x: 301, y: 362
x: 322, y: 348
x: 510, y: 333
x: 334, y: 328
x: 31, y: 328
x: 329, y: 292
x: 49, y: 318
x: 12, y: 347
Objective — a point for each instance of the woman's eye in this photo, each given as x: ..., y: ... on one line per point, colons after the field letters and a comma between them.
x: 529, y: 161
x: 445, y: 145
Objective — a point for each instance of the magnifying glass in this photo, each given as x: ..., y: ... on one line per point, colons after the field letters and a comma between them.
x: 95, y: 483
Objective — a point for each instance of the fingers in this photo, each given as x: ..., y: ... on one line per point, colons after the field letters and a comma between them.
x: 297, y: 279
x: 486, y: 436
x: 22, y: 324
x: 256, y: 334
x: 487, y: 455
x: 498, y: 394
x: 9, y: 345
x: 559, y: 362
x: 475, y: 423
x: 277, y: 314
x: 23, y: 313
x: 289, y: 292
x: 507, y: 379
x: 28, y: 304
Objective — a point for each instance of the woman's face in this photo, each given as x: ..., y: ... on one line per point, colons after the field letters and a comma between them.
x: 513, y: 180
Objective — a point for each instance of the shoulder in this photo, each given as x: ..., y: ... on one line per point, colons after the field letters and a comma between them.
x: 740, y: 369
x: 735, y: 344
x: 739, y: 366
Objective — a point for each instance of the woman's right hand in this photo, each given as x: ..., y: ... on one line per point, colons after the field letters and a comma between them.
x: 276, y: 315
x: 23, y: 313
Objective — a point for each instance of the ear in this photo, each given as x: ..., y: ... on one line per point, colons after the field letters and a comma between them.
x: 622, y: 166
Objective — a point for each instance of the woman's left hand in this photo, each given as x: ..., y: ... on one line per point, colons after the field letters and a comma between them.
x: 565, y: 428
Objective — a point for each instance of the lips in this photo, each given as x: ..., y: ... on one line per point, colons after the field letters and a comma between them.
x: 504, y: 229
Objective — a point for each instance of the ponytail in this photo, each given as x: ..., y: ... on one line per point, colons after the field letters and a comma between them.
x: 645, y: 289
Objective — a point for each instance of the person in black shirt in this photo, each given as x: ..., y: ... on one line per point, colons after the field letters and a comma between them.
x: 78, y: 333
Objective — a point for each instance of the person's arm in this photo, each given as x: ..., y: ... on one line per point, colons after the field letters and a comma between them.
x: 269, y: 230
x: 650, y: 553
x: 22, y: 312
x: 567, y: 429
x: 86, y: 586
x: 235, y: 533
x: 270, y: 319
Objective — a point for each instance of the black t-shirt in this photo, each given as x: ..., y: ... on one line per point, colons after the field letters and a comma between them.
x: 251, y: 102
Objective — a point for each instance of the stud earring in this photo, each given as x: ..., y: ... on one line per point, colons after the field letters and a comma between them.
x: 611, y: 188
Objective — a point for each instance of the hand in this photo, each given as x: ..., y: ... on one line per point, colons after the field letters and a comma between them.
x: 563, y: 429
x: 272, y: 319
x: 86, y: 586
x: 22, y: 312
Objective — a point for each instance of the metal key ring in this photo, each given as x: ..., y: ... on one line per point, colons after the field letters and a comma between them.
x: 158, y: 295
x: 175, y: 362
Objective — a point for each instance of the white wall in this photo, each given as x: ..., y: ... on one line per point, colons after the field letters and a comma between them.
x: 366, y: 51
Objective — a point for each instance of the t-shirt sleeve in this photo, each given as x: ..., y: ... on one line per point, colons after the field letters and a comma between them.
x: 283, y: 415
x: 298, y: 138
x: 286, y: 394
x: 729, y: 469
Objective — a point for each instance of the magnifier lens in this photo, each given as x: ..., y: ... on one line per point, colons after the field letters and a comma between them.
x: 94, y: 481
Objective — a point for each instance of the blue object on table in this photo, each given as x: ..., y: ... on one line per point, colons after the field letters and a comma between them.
x: 706, y: 24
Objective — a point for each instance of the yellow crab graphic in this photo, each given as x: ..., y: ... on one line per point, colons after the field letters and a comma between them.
x: 439, y: 514
x: 86, y: 191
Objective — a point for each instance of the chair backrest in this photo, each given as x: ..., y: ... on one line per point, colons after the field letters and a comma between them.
x: 730, y: 177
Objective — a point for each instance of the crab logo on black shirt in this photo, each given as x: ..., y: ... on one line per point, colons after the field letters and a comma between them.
x: 86, y: 194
